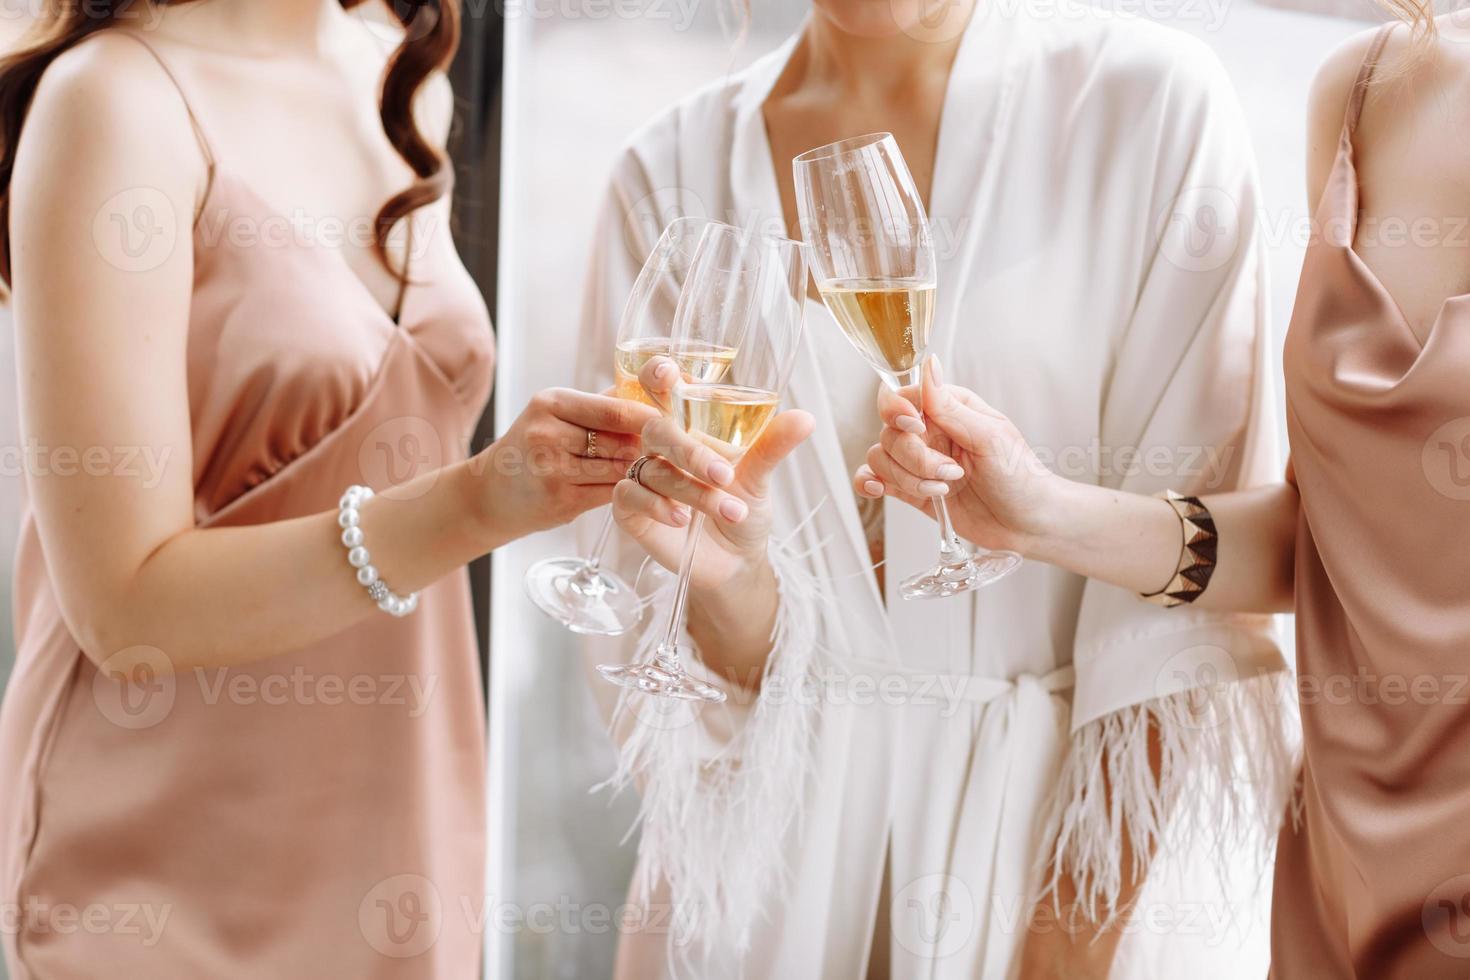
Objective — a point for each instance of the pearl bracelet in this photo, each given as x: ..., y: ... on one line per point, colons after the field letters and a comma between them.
x: 350, y: 521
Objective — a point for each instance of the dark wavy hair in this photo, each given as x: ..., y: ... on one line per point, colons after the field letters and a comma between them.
x: 430, y: 37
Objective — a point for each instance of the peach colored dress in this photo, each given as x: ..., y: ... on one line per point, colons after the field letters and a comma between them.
x: 1376, y: 884
x: 318, y: 814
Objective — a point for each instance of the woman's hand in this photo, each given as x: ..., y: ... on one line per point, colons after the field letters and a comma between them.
x: 1000, y: 496
x: 686, y: 474
x: 538, y: 475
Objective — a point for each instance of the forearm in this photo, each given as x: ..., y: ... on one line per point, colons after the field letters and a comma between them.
x: 1133, y: 541
x: 732, y: 626
x: 218, y: 597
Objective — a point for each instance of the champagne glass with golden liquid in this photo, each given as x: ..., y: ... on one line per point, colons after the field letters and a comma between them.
x: 745, y: 293
x: 578, y: 592
x: 873, y: 260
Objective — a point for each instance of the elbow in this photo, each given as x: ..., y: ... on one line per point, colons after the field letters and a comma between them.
x: 119, y: 641
x: 119, y: 654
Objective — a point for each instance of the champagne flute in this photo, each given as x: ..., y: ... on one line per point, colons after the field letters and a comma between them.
x: 747, y: 293
x: 578, y: 592
x: 873, y: 260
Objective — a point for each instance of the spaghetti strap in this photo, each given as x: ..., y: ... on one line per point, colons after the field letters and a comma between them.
x: 188, y: 107
x: 1365, y: 78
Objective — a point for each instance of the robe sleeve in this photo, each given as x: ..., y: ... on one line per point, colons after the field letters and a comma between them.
x: 1187, y: 407
x: 721, y: 785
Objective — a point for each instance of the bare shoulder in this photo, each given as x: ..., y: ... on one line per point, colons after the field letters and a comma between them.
x: 1333, y: 84
x: 109, y: 95
x: 1327, y: 104
x: 107, y: 139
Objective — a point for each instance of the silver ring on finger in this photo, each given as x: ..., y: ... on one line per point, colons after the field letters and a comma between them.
x: 635, y: 472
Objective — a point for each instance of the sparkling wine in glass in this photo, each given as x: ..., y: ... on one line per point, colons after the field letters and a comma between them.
x: 873, y: 260
x: 744, y: 293
x: 578, y: 592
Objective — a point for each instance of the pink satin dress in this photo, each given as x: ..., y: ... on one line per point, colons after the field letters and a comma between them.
x: 1376, y: 883
x: 318, y: 815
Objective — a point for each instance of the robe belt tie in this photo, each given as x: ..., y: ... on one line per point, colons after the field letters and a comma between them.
x: 974, y: 688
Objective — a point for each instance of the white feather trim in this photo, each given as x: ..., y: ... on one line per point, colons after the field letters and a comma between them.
x: 1227, y: 774
x: 714, y: 826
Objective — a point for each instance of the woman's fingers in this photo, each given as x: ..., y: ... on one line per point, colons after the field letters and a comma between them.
x: 910, y: 452
x: 898, y: 411
x: 887, y: 469
x: 663, y: 478
x: 784, y: 433
x: 658, y: 378
x: 866, y: 484
x: 934, y: 385
x: 663, y: 437
x: 573, y: 440
x: 952, y: 410
x: 632, y: 502
x: 588, y: 411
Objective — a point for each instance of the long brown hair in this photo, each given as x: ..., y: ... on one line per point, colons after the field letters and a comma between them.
x: 431, y: 35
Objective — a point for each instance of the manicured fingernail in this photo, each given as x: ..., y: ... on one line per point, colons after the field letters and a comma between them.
x: 681, y: 517
x: 909, y: 423
x: 933, y: 488
x: 873, y: 488
x: 664, y: 371
x: 720, y: 473
x: 950, y: 471
x: 732, y: 509
x: 935, y: 372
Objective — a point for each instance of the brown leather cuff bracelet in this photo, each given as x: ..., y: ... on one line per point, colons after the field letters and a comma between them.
x: 1197, y: 553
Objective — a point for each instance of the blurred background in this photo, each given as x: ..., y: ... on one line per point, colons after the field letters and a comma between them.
x: 549, y: 90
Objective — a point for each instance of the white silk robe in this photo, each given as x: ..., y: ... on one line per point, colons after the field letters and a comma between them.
x: 1101, y: 281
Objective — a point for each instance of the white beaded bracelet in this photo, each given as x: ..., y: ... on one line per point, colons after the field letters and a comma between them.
x: 350, y: 521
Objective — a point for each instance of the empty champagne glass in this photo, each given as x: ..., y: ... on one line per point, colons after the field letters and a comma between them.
x: 873, y: 260
x: 578, y: 592
x: 747, y: 293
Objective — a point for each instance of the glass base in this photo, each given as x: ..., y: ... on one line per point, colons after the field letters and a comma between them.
x: 584, y: 600
x: 953, y: 578
x: 662, y: 678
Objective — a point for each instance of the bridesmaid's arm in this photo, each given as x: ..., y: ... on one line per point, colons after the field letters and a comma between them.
x: 102, y: 332
x: 1133, y: 541
x: 1008, y: 499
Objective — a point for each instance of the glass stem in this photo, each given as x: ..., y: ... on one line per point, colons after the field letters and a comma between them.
x: 951, y: 548
x: 668, y: 650
x: 599, y: 550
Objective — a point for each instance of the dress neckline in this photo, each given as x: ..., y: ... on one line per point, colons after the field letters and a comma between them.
x: 393, y: 318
